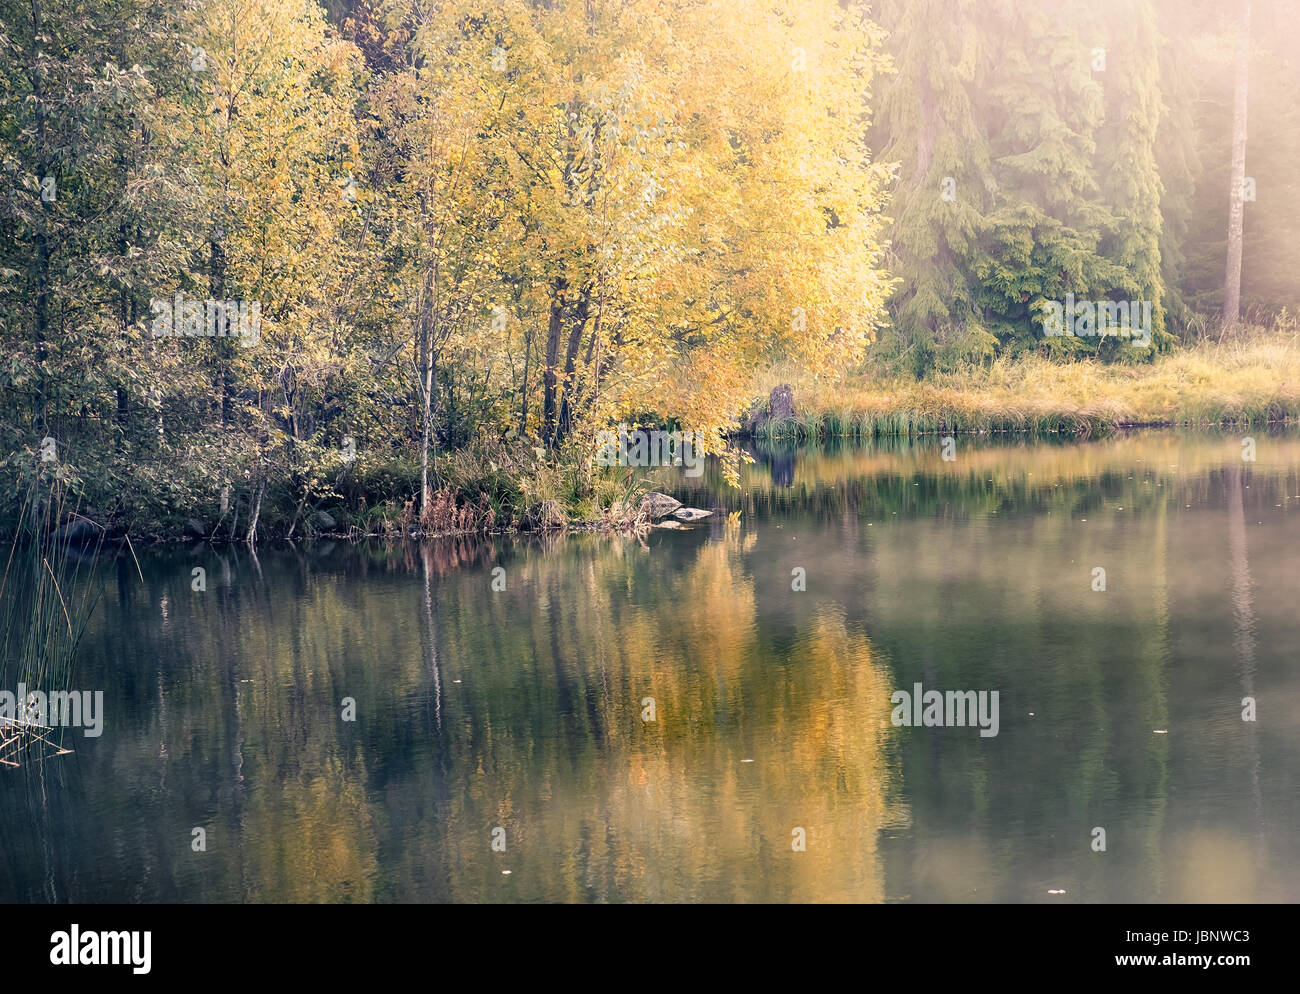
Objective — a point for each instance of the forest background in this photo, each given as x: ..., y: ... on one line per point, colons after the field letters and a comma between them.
x: 466, y: 236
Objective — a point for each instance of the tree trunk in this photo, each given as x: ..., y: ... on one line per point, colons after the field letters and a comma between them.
x: 42, y: 245
x: 570, y: 364
x: 552, y: 358
x: 124, y: 312
x: 523, y: 403
x: 255, y: 512
x: 234, y: 525
x: 1236, y: 181
x: 426, y: 432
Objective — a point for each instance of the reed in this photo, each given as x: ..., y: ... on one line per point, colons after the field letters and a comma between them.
x: 45, y: 604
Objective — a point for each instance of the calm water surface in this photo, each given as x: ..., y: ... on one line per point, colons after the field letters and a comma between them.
x: 523, y: 709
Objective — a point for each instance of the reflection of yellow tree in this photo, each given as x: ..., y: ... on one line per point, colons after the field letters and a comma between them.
x: 668, y: 810
x: 313, y: 840
x: 827, y: 767
x: 816, y: 738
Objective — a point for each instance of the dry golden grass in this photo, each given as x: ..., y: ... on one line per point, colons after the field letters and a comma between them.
x: 1252, y: 378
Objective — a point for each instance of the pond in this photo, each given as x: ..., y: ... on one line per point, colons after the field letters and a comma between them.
x: 711, y: 714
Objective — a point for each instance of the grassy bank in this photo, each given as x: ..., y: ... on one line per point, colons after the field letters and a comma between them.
x: 488, y: 487
x: 1252, y: 379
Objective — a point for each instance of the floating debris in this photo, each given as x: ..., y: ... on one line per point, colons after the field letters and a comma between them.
x: 25, y: 741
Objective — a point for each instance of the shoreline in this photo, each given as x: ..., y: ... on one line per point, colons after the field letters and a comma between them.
x: 801, y: 430
x: 813, y: 429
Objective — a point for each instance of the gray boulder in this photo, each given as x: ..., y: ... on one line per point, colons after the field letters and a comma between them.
x: 194, y: 528
x: 323, y: 521
x: 656, y: 505
x: 79, y: 531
